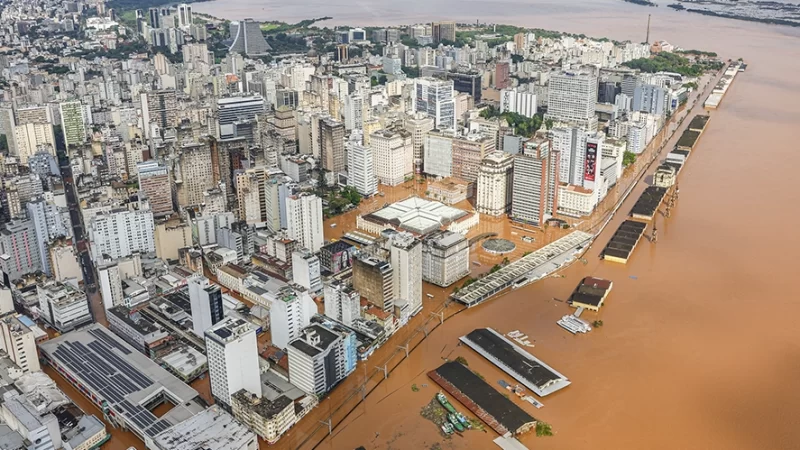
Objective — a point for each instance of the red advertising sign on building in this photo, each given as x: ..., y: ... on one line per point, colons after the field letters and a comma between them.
x: 590, y: 165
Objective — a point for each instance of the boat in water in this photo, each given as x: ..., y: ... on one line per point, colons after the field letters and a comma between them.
x: 461, y: 418
x: 454, y: 420
x: 445, y: 403
x: 447, y: 428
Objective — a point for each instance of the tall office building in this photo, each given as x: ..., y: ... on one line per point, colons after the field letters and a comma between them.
x: 195, y: 173
x: 438, y: 160
x: 154, y: 16
x: 19, y: 253
x: 495, y: 180
x: 32, y: 137
x: 241, y: 108
x: 517, y: 101
x: 19, y: 343
x: 320, y: 358
x: 206, y: 301
x: 331, y: 145
x: 445, y: 258
x: 159, y: 108
x: 502, y: 75
x: 373, y: 278
x: 534, y: 197
x: 73, y: 122
x: 571, y: 145
x: 571, y: 98
x: 443, y: 31
x: 361, y: 167
x: 50, y: 222
x: 468, y: 152
x: 184, y: 15
x: 435, y: 98
x: 290, y: 311
x: 418, y: 124
x: 8, y: 122
x: 247, y: 38
x: 304, y: 220
x: 121, y: 232
x: 406, y: 259
x: 109, y: 280
x: 232, y: 352
x: 356, y: 111
x: 651, y: 99
x: 393, y: 153
x: 306, y: 270
x: 154, y: 182
x: 342, y: 302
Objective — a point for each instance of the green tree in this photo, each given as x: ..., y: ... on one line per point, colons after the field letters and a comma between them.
x: 628, y: 158
x: 3, y: 143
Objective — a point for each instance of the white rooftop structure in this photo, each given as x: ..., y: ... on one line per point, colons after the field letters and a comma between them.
x: 212, y: 429
x: 417, y: 215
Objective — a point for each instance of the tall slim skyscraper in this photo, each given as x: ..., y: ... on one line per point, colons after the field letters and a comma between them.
x: 184, y: 15
x: 435, y: 98
x: 331, y: 145
x: 290, y: 311
x: 154, y: 14
x: 495, y: 184
x: 535, y: 183
x: 342, y: 302
x: 571, y: 98
x: 247, y: 38
x: 161, y: 108
x: 206, y: 301
x: 304, y: 217
x: 361, y: 167
x: 232, y: 352
x: 418, y: 125
x: 406, y: 257
x: 73, y: 122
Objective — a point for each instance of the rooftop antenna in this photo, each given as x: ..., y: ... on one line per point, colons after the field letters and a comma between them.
x: 647, y: 39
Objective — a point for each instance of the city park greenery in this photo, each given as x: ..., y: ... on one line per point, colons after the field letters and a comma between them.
x: 523, y: 125
x: 672, y: 62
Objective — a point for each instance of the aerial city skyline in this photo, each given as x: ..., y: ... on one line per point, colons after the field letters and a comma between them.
x: 230, y: 233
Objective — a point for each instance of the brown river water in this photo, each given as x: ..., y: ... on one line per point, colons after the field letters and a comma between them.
x: 698, y: 350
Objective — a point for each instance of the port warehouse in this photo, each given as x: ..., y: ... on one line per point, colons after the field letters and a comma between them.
x: 624, y: 241
x: 122, y: 382
x: 692, y: 133
x: 527, y: 369
x: 648, y: 203
x: 591, y: 293
x: 713, y: 100
x: 489, y: 405
x: 556, y: 252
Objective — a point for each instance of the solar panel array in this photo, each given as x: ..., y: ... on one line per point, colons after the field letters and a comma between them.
x: 111, y: 377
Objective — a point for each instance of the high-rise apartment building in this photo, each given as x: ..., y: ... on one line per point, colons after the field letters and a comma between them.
x: 320, y: 358
x: 240, y: 108
x: 435, y: 98
x: 247, y: 38
x: 50, y: 222
x: 502, y: 75
x: 19, y: 343
x: 109, y: 280
x: 232, y: 352
x: 438, y: 160
x: 517, y: 101
x: 155, y: 183
x: 418, y: 124
x: 468, y: 152
x: 534, y: 197
x: 290, y: 311
x: 304, y: 220
x: 651, y: 99
x: 159, y: 108
x: 393, y: 153
x: 31, y: 138
x: 195, y: 173
x: 356, y: 111
x: 495, y: 184
x: 361, y: 167
x: 121, y: 232
x: 443, y: 31
x: 331, y: 145
x: 571, y: 98
x: 206, y: 301
x: 184, y: 15
x: 73, y: 122
x: 19, y: 254
x: 445, y: 258
x: 406, y: 260
x: 342, y: 302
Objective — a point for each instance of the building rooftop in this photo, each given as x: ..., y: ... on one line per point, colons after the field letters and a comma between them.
x: 123, y: 377
x: 417, y: 215
x: 212, y: 429
x: 228, y: 330
x: 86, y: 428
x: 314, y: 339
x: 261, y: 406
x: 137, y: 321
x: 444, y: 239
x: 185, y: 360
x: 10, y: 439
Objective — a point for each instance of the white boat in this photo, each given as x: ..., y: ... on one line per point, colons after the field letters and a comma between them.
x: 429, y: 295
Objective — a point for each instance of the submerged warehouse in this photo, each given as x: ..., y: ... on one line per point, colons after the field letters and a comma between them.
x: 648, y: 203
x: 624, y: 241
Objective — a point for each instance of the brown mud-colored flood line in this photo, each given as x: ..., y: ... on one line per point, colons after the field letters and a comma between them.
x: 698, y: 349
